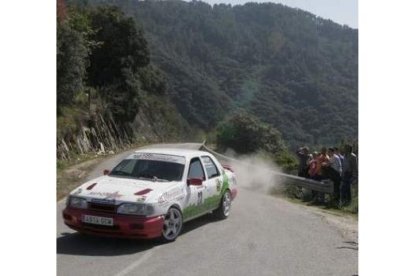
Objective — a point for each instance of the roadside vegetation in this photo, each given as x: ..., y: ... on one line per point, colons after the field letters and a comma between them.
x: 69, y: 176
x: 246, y: 134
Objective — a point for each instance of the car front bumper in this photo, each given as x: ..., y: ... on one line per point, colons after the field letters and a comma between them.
x: 124, y: 226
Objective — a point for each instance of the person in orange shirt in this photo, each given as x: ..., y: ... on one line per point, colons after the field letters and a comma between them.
x: 313, y: 168
x: 316, y: 172
x: 318, y: 161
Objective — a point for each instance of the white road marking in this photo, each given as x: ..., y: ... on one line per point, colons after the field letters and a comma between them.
x: 135, y: 264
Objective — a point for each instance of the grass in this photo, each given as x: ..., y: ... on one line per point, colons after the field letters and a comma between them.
x: 290, y: 193
x: 334, y: 211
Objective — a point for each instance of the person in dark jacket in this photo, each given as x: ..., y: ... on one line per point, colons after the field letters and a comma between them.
x: 349, y: 174
x: 304, y: 159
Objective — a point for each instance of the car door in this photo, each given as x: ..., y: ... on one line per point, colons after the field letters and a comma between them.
x: 195, y: 204
x: 213, y: 183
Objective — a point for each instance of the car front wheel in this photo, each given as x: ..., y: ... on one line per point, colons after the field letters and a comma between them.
x: 173, y: 223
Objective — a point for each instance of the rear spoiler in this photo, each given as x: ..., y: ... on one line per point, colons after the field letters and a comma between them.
x: 228, y: 167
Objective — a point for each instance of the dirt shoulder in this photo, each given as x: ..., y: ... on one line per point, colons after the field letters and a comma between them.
x: 346, y: 223
x: 72, y: 176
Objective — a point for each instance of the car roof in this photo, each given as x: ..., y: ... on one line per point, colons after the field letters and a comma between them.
x: 175, y: 151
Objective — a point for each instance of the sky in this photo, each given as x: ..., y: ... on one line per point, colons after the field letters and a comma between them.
x: 339, y: 11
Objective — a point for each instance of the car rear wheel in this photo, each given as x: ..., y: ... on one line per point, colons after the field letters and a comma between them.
x: 173, y: 224
x: 223, y: 211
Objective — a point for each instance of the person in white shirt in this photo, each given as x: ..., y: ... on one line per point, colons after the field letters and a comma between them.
x: 333, y: 170
x: 335, y: 161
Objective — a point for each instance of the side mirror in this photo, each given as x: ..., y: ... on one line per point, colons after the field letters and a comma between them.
x: 106, y: 172
x: 195, y: 181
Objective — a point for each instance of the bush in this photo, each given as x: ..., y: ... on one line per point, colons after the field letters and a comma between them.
x: 245, y: 133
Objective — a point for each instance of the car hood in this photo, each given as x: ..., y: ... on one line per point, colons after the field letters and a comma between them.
x: 118, y: 189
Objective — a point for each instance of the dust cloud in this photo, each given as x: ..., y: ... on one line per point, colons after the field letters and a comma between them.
x: 255, y: 172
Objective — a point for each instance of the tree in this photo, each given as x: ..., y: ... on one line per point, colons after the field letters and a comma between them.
x: 246, y: 134
x: 72, y: 53
x: 123, y: 46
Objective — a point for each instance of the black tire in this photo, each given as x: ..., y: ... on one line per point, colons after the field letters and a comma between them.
x: 223, y: 211
x: 173, y: 225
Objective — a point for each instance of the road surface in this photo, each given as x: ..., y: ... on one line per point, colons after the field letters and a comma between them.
x: 264, y: 235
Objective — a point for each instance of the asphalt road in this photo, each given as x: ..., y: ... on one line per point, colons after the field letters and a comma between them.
x: 264, y: 235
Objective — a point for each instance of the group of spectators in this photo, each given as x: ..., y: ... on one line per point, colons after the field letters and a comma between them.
x: 338, y: 165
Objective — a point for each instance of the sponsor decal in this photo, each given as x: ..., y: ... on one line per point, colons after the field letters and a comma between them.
x: 179, y: 197
x: 199, y: 198
x: 159, y: 157
x: 218, y: 185
x: 170, y: 195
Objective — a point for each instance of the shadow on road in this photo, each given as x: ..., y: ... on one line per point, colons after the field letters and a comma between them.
x: 79, y: 244
x: 349, y: 245
x: 197, y: 223
x: 88, y: 245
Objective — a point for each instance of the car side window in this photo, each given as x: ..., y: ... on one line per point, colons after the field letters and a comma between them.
x: 196, y: 169
x: 210, y: 166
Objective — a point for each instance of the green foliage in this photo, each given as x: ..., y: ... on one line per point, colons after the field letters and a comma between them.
x: 152, y: 79
x: 72, y: 54
x: 123, y: 46
x: 102, y: 49
x: 246, y: 134
x: 241, y: 132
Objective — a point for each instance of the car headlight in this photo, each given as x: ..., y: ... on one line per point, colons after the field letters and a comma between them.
x: 135, y: 209
x: 77, y: 202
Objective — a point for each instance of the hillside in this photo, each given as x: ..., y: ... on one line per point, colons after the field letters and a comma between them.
x: 109, y: 94
x: 288, y: 67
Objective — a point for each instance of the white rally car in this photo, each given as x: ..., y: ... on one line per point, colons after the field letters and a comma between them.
x: 151, y: 194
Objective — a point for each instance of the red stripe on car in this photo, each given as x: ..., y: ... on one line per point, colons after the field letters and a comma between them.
x: 90, y: 187
x: 143, y: 192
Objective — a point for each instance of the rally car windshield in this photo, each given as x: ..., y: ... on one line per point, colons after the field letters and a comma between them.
x: 153, y: 170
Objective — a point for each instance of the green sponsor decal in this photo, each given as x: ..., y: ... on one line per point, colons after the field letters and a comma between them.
x: 208, y: 204
x: 225, y: 184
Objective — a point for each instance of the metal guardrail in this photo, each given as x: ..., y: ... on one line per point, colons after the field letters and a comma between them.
x: 325, y: 186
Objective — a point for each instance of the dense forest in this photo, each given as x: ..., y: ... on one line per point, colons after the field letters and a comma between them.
x: 290, y: 69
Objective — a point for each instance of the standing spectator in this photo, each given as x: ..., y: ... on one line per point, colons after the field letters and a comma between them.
x: 317, y: 173
x: 323, y: 160
x: 314, y: 167
x: 350, y: 174
x: 304, y: 160
x: 335, y: 161
x: 340, y: 155
x: 334, y: 170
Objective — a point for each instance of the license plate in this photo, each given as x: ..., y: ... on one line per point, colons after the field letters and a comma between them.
x: 98, y: 220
